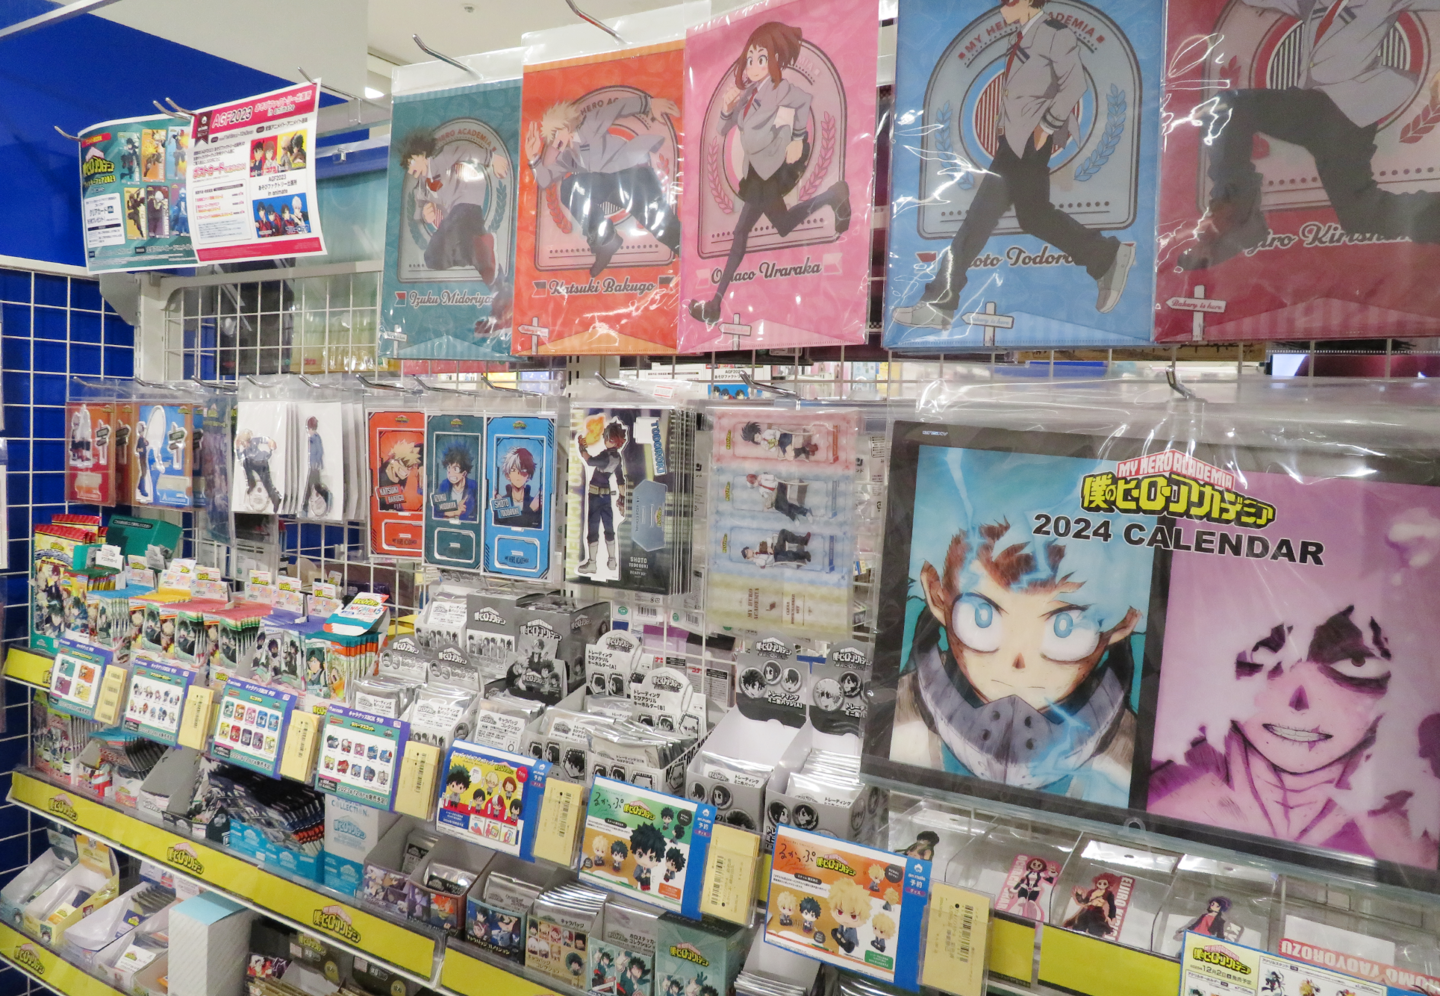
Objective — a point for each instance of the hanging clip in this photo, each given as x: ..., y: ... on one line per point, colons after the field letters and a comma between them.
x: 485, y: 379
x: 219, y: 385
x: 443, y: 390
x: 177, y: 109
x: 379, y: 386
x: 443, y: 57
x: 305, y: 379
x: 759, y: 385
x: 1178, y: 387
x: 615, y: 385
x: 590, y: 20
x: 66, y: 134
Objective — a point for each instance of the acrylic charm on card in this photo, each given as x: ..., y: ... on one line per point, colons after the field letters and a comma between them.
x: 519, y: 495
x: 780, y: 126
x: 162, y: 454
x: 397, y: 480
x: 453, y: 533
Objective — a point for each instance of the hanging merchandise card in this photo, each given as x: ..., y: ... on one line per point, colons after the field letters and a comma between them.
x: 322, y: 454
x: 1300, y: 179
x: 450, y: 229
x: 259, y: 474
x: 216, y: 426
x: 1024, y: 170
x: 492, y: 797
x: 157, y: 699
x: 519, y: 495
x: 75, y: 677
x: 90, y: 452
x: 850, y: 905
x: 1208, y: 965
x: 360, y: 756
x: 132, y: 182
x: 125, y: 412
x: 397, y: 483
x: 251, y: 178
x: 250, y: 726
x: 619, y: 508
x: 599, y: 232
x: 655, y: 844
x: 782, y: 544
x: 780, y: 126
x: 452, y: 500
x: 163, y: 455
x: 1307, y: 659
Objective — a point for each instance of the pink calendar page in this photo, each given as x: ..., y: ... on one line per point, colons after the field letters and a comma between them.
x: 780, y: 170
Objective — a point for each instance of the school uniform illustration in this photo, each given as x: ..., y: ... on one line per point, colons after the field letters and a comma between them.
x: 450, y: 196
x: 255, y: 453
x: 1344, y: 91
x: 1044, y: 81
x: 602, y: 175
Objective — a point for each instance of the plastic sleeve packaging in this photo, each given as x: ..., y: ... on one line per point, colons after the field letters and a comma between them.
x: 1213, y: 613
x: 1300, y: 187
x: 1023, y: 178
x: 781, y: 158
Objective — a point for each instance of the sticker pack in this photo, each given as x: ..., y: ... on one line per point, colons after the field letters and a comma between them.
x: 450, y: 229
x: 655, y: 844
x: 250, y: 726
x: 75, y: 677
x: 598, y: 258
x: 157, y: 699
x: 781, y: 524
x: 360, y: 756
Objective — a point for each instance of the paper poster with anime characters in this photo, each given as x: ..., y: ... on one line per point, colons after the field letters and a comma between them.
x: 847, y: 904
x: 781, y: 528
x: 1024, y: 169
x: 1299, y: 692
x: 780, y: 110
x: 1015, y: 621
x: 519, y: 485
x: 129, y: 173
x: 1299, y: 181
x: 90, y: 452
x: 599, y: 234
x: 450, y: 234
x: 397, y: 478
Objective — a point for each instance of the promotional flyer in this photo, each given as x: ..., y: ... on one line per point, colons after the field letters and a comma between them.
x: 133, y: 198
x: 780, y: 148
x: 449, y: 275
x: 598, y: 262
x: 251, y: 183
x: 1023, y: 174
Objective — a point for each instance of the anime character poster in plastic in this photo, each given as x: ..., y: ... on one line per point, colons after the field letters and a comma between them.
x: 259, y: 476
x: 90, y: 452
x: 450, y: 234
x: 133, y: 202
x: 780, y: 126
x: 621, y: 476
x: 598, y: 261
x: 782, y: 544
x: 1025, y: 164
x: 397, y: 480
x: 1013, y: 620
x: 1299, y: 690
x: 163, y: 455
x: 217, y: 425
x: 519, y: 483
x: 455, y: 445
x: 1300, y: 178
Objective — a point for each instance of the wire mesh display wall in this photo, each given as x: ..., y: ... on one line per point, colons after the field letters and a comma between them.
x: 55, y: 328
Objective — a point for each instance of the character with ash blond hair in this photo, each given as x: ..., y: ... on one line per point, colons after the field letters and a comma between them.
x: 850, y: 906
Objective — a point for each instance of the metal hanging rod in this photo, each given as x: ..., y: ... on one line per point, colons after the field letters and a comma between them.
x: 66, y: 134
x: 443, y: 57
x: 55, y: 16
x: 751, y: 382
x: 615, y: 385
x: 178, y: 109
x: 595, y: 21
x: 334, y: 89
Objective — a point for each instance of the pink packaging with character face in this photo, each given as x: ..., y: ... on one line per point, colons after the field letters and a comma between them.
x: 780, y: 155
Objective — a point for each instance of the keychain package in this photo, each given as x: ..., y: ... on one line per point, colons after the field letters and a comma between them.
x: 1023, y: 175
x: 780, y: 153
x: 598, y: 258
x: 781, y: 521
x: 163, y: 453
x: 450, y: 224
x: 1299, y: 195
x: 627, y: 508
x: 519, y: 481
x: 397, y: 482
x: 453, y: 534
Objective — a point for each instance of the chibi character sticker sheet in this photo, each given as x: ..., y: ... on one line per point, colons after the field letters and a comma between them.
x: 781, y: 529
x: 397, y: 482
x: 598, y: 258
x: 453, y: 532
x: 1024, y: 169
x: 133, y: 200
x: 162, y: 455
x: 90, y: 452
x: 519, y: 482
x: 780, y: 126
x: 647, y: 844
x: 492, y: 795
x: 450, y: 231
x: 1298, y: 182
x: 829, y: 903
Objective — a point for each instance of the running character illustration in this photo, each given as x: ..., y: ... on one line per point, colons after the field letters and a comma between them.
x: 772, y: 115
x: 600, y: 175
x: 254, y: 453
x: 452, y: 187
x: 1346, y: 88
x: 603, y: 503
x: 1044, y: 81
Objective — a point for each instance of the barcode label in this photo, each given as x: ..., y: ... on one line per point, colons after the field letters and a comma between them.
x: 967, y: 925
x: 955, y: 941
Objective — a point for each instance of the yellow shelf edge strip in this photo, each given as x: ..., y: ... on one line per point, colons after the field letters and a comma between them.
x: 35, y: 959
x: 469, y: 976
x: 1080, y: 964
